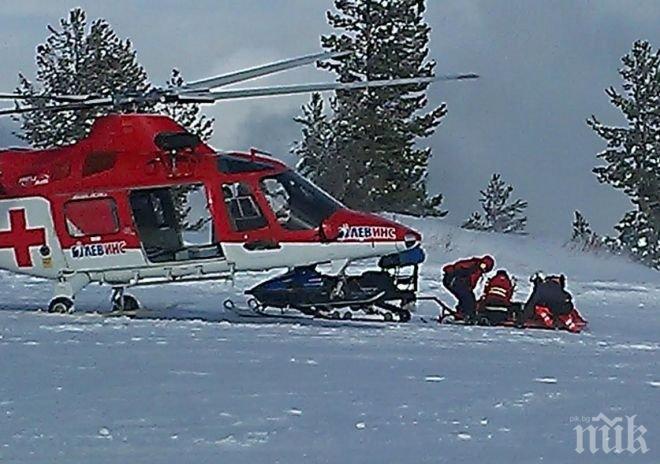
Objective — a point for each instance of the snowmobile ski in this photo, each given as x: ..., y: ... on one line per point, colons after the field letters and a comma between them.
x: 254, y: 310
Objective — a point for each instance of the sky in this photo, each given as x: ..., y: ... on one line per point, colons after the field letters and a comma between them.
x: 544, y: 66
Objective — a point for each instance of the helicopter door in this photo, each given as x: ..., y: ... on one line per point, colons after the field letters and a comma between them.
x: 93, y: 234
x: 174, y: 223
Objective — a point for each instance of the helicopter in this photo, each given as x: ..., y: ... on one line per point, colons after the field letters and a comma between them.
x: 107, y: 209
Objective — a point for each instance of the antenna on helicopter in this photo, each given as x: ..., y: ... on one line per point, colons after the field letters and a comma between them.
x: 205, y: 90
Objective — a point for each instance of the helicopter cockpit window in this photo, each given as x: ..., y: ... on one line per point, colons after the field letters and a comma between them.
x: 174, y: 223
x: 244, y: 211
x: 297, y: 203
x: 91, y: 216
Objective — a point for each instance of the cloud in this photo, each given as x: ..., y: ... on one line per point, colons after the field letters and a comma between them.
x: 544, y: 68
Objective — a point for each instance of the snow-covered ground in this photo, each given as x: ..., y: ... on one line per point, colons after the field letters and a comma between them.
x: 189, y: 387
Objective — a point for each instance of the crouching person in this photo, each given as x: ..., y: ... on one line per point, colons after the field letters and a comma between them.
x: 499, y: 289
x: 496, y: 300
x: 461, y: 278
x: 552, y: 304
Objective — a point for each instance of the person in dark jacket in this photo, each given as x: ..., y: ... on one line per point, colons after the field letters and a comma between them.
x: 550, y: 293
x: 461, y: 278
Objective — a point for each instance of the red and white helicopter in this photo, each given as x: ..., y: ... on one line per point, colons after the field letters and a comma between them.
x: 107, y: 210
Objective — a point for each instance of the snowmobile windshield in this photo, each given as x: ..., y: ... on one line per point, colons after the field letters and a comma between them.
x: 296, y: 202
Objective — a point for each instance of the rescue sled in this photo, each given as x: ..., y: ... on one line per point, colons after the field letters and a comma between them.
x: 512, y: 316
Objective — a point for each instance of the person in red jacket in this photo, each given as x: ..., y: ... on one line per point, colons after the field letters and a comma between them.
x: 494, y: 304
x: 461, y: 278
x: 499, y: 290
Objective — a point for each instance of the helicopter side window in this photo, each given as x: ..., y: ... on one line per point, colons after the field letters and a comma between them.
x: 244, y: 211
x: 297, y: 203
x: 92, y: 216
x: 174, y: 223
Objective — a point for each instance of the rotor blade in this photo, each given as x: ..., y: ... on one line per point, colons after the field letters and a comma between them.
x: 57, y: 108
x: 252, y: 73
x: 323, y: 87
x: 62, y: 98
x: 456, y: 77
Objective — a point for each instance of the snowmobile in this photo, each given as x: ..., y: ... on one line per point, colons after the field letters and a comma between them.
x: 388, y: 293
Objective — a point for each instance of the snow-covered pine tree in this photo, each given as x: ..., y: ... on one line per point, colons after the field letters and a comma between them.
x: 583, y: 237
x: 632, y: 157
x: 377, y: 163
x: 189, y: 116
x: 317, y: 161
x: 500, y: 215
x: 581, y: 228
x: 475, y: 222
x: 75, y: 60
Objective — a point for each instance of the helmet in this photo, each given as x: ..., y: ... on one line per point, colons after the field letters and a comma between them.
x: 489, y: 262
x: 537, y: 277
x: 560, y: 279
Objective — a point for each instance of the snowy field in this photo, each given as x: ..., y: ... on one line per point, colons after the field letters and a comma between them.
x: 199, y: 385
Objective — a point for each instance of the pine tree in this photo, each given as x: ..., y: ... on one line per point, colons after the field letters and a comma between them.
x: 188, y: 116
x: 375, y: 161
x: 632, y: 157
x: 76, y: 59
x: 581, y: 228
x: 639, y: 237
x: 499, y: 214
x: 584, y: 238
x: 315, y: 150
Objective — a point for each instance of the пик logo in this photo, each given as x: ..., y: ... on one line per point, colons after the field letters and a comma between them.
x: 615, y: 435
x: 347, y: 232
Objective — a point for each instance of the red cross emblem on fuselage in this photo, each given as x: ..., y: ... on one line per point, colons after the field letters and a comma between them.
x: 20, y: 238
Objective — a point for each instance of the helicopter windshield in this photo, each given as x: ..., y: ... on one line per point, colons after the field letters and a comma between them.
x: 297, y: 203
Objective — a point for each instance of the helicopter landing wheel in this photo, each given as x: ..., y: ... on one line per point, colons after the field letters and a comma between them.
x: 123, y: 302
x: 61, y: 305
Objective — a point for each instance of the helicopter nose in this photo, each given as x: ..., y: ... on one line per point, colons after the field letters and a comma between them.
x: 411, y: 238
x: 356, y: 226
